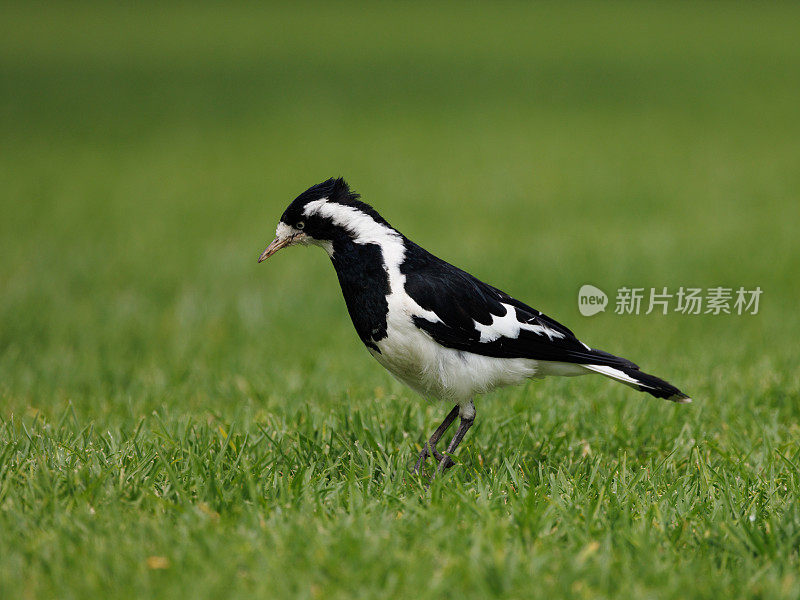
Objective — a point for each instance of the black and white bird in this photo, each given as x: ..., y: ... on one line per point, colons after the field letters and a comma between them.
x: 436, y: 328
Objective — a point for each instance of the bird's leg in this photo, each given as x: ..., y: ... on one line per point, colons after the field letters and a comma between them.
x: 430, y: 446
x: 467, y: 419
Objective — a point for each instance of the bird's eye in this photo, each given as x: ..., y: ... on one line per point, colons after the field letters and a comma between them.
x: 300, y: 225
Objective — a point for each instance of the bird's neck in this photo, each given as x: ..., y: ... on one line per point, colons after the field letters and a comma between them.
x: 364, y: 280
x: 357, y: 263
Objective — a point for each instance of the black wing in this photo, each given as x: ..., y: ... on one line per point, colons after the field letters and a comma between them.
x: 469, y: 309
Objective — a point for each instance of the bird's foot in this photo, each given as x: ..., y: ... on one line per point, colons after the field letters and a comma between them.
x: 423, y: 456
x: 445, y: 462
x: 428, y: 450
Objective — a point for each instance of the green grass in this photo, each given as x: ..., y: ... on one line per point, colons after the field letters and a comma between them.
x: 176, y: 420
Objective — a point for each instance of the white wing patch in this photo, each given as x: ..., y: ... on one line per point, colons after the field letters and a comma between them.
x: 508, y: 325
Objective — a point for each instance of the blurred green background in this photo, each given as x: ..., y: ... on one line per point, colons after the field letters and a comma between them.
x: 147, y: 151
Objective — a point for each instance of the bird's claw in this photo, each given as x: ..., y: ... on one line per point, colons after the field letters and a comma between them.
x: 423, y: 456
x: 443, y: 462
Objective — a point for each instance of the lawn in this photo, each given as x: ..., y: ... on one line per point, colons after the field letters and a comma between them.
x: 178, y: 421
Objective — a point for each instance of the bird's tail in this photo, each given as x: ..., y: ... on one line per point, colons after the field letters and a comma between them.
x: 644, y: 382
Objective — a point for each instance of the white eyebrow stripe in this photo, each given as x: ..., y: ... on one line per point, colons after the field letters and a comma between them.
x: 366, y: 230
x: 362, y: 226
x: 313, y: 207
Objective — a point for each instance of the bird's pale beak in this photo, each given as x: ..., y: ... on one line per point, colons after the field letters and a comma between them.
x: 274, y: 246
x: 281, y: 242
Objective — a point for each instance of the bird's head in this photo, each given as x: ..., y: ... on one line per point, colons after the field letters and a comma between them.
x: 324, y: 215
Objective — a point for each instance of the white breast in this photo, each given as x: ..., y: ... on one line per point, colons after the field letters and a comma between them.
x: 433, y: 370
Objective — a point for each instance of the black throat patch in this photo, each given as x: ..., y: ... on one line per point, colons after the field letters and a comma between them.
x: 365, y: 286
